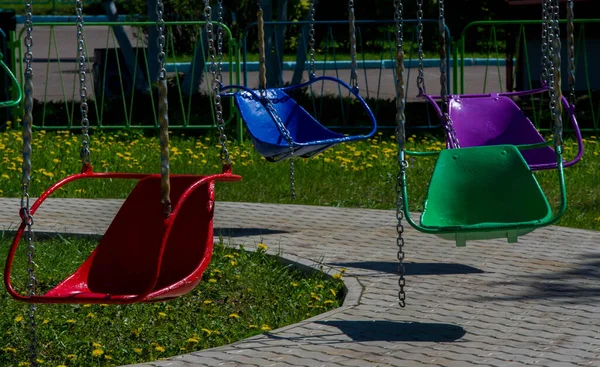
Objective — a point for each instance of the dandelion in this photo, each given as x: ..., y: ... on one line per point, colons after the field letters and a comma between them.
x: 70, y: 321
x: 162, y: 314
x: 192, y: 340
x: 229, y: 256
x: 207, y: 302
x: 97, y: 352
x: 233, y: 263
x: 96, y: 345
x: 265, y: 328
x: 212, y: 280
x: 234, y: 316
x: 159, y: 348
x: 337, y: 276
x: 91, y: 315
x: 319, y: 286
x: 333, y: 292
x: 207, y: 331
x: 328, y: 302
x: 137, y: 350
x: 262, y: 246
x: 19, y: 318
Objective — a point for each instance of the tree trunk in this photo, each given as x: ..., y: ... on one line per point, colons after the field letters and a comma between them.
x: 126, y: 48
x: 302, y: 51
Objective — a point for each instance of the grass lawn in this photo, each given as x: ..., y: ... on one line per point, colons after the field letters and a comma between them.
x: 360, y: 174
x: 242, y: 294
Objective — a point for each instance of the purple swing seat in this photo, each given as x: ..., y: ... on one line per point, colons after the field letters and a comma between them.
x: 495, y: 119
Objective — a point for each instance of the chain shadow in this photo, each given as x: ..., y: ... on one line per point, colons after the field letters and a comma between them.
x: 575, y: 283
x: 412, y: 268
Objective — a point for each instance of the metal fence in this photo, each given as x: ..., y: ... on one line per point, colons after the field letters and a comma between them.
x: 512, y: 50
x: 376, y: 48
x: 122, y: 92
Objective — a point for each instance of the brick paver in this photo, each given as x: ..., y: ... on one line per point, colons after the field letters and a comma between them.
x: 491, y: 303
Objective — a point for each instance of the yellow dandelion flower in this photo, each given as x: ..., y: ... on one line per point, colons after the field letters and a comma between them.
x: 212, y: 280
x: 294, y: 284
x: 137, y: 350
x: 70, y: 321
x: 252, y: 326
x: 262, y: 246
x: 328, y: 302
x: 229, y: 256
x: 91, y: 315
x: 4, y: 175
x: 162, y: 314
x: 96, y: 345
x: 107, y: 357
x: 24, y: 364
x: 233, y: 263
x: 337, y: 276
x: 160, y: 349
x: 234, y: 316
x: 207, y: 331
x: 207, y: 302
x: 319, y: 286
x: 333, y: 292
x: 19, y: 318
x: 192, y: 340
x: 97, y: 352
x: 265, y: 328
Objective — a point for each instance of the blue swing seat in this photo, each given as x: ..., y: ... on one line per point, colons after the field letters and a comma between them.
x: 309, y: 137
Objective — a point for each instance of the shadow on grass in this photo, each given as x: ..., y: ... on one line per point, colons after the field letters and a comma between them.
x: 412, y: 268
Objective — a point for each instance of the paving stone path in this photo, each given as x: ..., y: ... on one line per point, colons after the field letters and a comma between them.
x: 488, y: 304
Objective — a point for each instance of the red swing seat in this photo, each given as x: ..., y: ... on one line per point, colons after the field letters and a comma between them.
x: 143, y: 256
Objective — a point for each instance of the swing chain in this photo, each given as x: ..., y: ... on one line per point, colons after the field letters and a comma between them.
x: 571, y: 41
x: 443, y: 77
x: 83, y: 93
x: 26, y: 180
x: 420, y: 41
x: 556, y: 95
x: 352, y: 21
x: 311, y: 39
x: 216, y: 60
x: 545, y: 28
x: 400, y: 137
x: 163, y: 111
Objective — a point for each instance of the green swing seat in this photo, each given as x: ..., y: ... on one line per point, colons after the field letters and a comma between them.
x: 479, y: 193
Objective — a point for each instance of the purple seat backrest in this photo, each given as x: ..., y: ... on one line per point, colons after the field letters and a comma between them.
x: 495, y: 120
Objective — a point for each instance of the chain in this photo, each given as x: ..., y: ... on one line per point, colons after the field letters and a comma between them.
x: 26, y: 180
x: 83, y: 106
x: 352, y: 21
x: 400, y: 136
x: 571, y: 41
x: 545, y: 26
x: 421, y: 76
x: 163, y: 111
x: 311, y: 39
x: 444, y: 79
x: 288, y: 138
x: 216, y: 58
x: 557, y: 90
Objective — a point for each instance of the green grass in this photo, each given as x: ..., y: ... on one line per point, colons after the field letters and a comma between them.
x: 360, y: 174
x: 242, y: 294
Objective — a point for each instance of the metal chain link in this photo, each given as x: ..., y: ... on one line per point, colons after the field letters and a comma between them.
x: 449, y: 126
x: 354, y: 65
x: 545, y: 27
x: 571, y: 42
x: 311, y: 39
x: 557, y: 76
x: 420, y: 41
x: 400, y: 137
x: 26, y: 180
x: 83, y: 93
x: 163, y: 111
x: 216, y: 59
